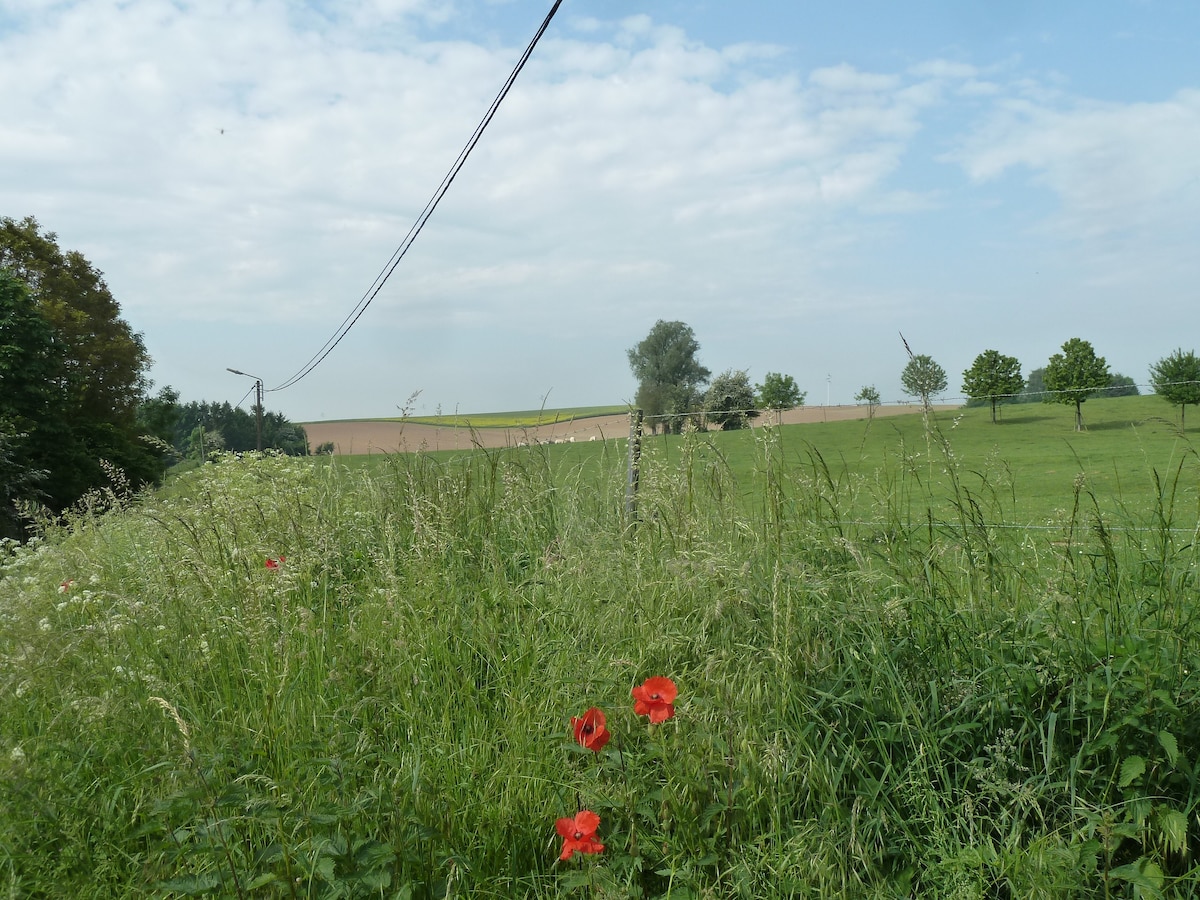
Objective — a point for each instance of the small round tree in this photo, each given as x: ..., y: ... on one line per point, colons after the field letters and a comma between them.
x: 870, y: 396
x: 923, y: 378
x: 779, y: 391
x: 1074, y: 375
x: 730, y: 400
x: 993, y: 377
x: 1176, y: 378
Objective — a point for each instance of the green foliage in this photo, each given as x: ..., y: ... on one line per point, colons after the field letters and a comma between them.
x: 779, y: 391
x: 1176, y: 378
x: 29, y: 362
x: 1035, y: 387
x: 19, y: 482
x: 923, y: 377
x: 1120, y: 386
x: 870, y: 396
x: 158, y: 419
x: 993, y: 378
x: 669, y: 374
x: 99, y: 370
x: 730, y: 401
x: 106, y: 366
x: 1074, y: 375
x: 888, y: 685
x: 228, y: 427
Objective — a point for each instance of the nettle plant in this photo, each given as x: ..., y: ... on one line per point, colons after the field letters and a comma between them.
x: 664, y: 793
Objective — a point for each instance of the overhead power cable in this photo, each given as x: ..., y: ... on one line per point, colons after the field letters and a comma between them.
x: 381, y: 279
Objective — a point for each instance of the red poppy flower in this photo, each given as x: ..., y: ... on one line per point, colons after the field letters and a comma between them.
x: 579, y: 834
x: 590, y: 731
x: 655, y: 698
x: 275, y: 562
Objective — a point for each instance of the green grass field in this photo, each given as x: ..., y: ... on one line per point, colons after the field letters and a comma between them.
x: 956, y: 661
x: 1031, y: 466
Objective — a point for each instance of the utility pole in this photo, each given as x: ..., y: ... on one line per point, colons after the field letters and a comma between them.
x: 258, y: 405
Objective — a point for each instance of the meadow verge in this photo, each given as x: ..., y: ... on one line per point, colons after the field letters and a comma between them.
x: 279, y: 680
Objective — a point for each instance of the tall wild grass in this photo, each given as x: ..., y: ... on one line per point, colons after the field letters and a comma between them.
x: 277, y: 679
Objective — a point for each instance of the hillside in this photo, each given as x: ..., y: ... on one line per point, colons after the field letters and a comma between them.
x: 353, y: 437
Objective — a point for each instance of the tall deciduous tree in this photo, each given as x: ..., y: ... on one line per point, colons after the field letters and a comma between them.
x: 730, y: 400
x: 668, y: 372
x: 923, y: 377
x: 105, y: 360
x: 1176, y: 378
x: 29, y: 359
x: 100, y: 367
x: 993, y: 377
x: 29, y: 364
x: 779, y: 391
x: 1074, y: 375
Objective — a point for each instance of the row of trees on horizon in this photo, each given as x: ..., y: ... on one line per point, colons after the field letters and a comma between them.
x: 671, y: 382
x: 76, y: 416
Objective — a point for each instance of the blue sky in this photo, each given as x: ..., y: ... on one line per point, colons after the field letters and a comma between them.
x: 800, y: 183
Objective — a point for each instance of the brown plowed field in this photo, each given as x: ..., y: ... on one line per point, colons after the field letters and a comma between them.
x: 374, y: 436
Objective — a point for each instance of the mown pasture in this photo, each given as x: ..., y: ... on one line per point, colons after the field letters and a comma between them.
x: 913, y: 659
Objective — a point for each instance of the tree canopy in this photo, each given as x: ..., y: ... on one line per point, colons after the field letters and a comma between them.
x: 870, y: 396
x: 84, y: 365
x: 1120, y: 386
x: 779, y: 391
x: 29, y: 365
x: 1035, y: 387
x: 923, y: 377
x: 1074, y: 375
x: 1176, y: 378
x: 669, y: 373
x: 993, y: 377
x: 104, y: 361
x: 729, y: 401
x: 194, y: 429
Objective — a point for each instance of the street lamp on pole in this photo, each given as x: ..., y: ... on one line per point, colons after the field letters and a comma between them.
x: 258, y: 404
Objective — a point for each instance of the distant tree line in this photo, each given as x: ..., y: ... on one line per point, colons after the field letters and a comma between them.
x: 198, y: 429
x: 75, y: 413
x: 672, y: 385
x: 671, y: 382
x: 1071, y: 377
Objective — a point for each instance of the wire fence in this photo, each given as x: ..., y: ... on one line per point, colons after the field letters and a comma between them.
x: 700, y: 418
x: 699, y: 414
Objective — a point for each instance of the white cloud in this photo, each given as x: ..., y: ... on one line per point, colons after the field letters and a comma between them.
x: 246, y: 167
x: 1114, y: 167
